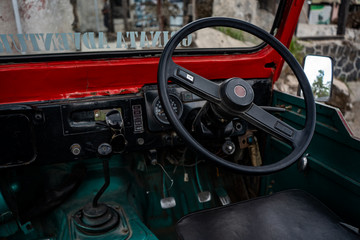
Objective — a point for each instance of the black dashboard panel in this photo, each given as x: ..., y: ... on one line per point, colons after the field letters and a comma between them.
x: 17, y: 140
x: 71, y: 130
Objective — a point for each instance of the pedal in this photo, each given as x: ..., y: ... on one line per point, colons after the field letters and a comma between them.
x: 223, y: 196
x: 204, y: 197
x: 167, y: 203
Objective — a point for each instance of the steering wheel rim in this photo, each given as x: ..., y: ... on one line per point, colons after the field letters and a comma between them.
x: 167, y: 69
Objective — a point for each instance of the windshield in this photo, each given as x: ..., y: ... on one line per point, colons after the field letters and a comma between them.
x: 58, y: 26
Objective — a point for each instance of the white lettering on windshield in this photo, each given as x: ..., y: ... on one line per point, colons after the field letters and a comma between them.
x: 55, y: 42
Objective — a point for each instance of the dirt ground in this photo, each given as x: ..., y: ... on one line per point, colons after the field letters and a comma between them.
x: 211, y: 38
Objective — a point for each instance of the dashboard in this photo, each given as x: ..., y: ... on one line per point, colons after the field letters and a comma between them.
x: 70, y: 130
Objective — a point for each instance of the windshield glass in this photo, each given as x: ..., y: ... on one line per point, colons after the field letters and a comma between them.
x: 57, y: 26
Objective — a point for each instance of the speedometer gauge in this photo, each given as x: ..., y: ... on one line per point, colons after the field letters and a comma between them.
x: 159, y: 112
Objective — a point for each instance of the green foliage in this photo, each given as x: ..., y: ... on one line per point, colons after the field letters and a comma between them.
x: 297, y: 50
x: 232, y: 32
x: 319, y: 88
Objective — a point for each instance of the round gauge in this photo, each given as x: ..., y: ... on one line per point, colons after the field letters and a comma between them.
x: 159, y: 112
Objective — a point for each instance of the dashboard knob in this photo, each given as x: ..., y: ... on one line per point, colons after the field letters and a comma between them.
x: 104, y: 149
x: 228, y: 147
x: 75, y: 149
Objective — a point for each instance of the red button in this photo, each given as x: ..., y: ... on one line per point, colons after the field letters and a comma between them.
x: 240, y: 91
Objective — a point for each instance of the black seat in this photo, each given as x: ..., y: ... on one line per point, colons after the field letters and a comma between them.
x: 291, y: 214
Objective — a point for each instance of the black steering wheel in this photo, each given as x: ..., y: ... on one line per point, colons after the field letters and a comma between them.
x: 234, y: 97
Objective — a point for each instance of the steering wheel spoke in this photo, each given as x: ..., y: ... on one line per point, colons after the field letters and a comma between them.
x: 195, y: 83
x: 272, y: 125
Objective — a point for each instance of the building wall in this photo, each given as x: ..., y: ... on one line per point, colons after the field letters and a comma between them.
x: 90, y: 16
x: 36, y: 16
x: 6, y: 17
x: 46, y: 16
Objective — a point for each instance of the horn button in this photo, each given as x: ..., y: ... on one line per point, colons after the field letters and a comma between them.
x: 236, y: 94
x: 240, y: 91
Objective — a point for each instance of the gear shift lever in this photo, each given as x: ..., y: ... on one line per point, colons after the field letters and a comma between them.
x: 103, y: 148
x: 95, y: 217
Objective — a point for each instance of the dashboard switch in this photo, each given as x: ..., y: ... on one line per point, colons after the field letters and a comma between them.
x: 75, y: 149
x: 138, y: 120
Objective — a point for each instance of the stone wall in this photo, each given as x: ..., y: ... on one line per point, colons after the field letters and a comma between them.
x: 346, y: 57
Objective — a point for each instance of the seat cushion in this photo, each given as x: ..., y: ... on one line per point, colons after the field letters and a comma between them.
x: 291, y: 214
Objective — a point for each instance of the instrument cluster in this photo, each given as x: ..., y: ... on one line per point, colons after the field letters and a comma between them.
x: 182, y: 102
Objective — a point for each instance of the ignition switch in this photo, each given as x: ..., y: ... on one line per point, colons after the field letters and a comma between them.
x: 114, y: 119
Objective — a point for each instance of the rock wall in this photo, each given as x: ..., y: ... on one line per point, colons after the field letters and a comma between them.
x: 346, y: 57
